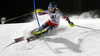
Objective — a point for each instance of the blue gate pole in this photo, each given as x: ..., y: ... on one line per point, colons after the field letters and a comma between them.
x: 37, y: 19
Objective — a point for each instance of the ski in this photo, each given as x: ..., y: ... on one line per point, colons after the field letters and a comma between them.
x: 16, y: 41
x: 34, y: 36
x: 21, y: 39
x: 9, y: 45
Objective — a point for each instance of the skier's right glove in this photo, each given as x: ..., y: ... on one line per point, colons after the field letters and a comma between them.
x: 71, y: 24
x: 38, y: 10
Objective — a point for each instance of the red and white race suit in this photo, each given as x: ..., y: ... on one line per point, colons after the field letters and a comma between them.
x: 54, y: 20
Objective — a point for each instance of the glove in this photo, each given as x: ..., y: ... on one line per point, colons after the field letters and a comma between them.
x: 71, y: 24
x: 38, y: 11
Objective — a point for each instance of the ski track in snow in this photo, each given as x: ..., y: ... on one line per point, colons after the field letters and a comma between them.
x: 65, y: 41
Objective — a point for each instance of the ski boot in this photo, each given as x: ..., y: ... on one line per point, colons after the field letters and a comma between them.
x: 32, y: 38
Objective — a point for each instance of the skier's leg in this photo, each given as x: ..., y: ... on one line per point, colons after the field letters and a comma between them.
x: 49, y: 29
x: 36, y: 36
x: 48, y: 25
x: 52, y: 26
x: 42, y: 27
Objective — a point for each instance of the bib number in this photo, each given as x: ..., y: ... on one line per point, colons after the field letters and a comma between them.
x: 53, y: 18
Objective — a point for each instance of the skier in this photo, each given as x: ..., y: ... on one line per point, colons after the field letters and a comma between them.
x: 54, y: 20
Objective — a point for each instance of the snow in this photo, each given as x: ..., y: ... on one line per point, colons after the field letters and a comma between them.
x: 64, y: 41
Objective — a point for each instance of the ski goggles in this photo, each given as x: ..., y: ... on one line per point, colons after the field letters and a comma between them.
x: 51, y: 8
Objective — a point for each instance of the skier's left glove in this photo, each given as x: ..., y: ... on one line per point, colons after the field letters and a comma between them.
x: 71, y: 24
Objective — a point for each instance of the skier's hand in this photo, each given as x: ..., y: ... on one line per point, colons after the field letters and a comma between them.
x: 71, y: 24
x: 38, y: 10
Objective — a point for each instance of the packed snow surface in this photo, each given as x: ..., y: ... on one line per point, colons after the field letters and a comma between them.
x: 64, y: 41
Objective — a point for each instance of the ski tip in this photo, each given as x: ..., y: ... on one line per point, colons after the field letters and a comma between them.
x: 8, y: 45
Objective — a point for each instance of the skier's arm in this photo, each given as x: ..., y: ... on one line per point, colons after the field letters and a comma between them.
x: 64, y: 17
x: 67, y: 19
x: 40, y: 12
x: 43, y: 13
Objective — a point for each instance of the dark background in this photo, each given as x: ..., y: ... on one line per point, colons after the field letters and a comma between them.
x: 13, y: 8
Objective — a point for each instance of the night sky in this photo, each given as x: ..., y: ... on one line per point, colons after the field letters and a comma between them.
x: 13, y: 8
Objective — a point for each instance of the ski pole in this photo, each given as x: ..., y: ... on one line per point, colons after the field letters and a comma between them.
x: 18, y: 17
x: 87, y: 27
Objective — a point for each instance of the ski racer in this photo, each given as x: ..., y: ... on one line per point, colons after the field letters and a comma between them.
x: 54, y: 20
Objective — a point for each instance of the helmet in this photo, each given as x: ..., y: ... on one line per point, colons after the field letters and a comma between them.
x: 52, y: 5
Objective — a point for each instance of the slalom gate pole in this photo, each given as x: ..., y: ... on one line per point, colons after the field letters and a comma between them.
x: 40, y: 27
x: 87, y: 27
x: 37, y: 19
